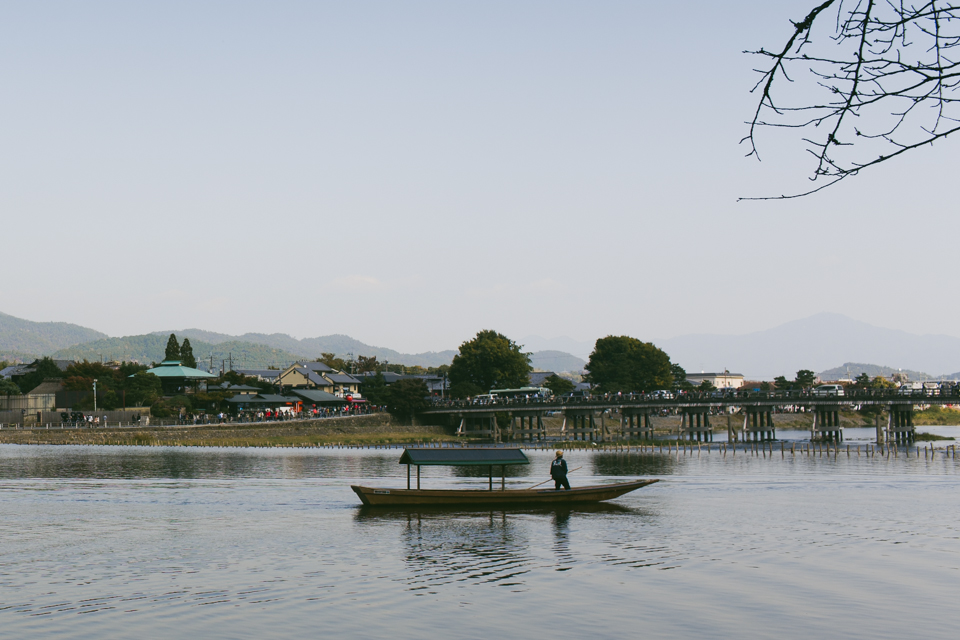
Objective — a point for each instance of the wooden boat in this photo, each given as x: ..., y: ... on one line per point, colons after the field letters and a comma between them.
x: 487, y: 457
x: 374, y: 497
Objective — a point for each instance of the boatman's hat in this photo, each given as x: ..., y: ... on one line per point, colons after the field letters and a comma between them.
x: 559, y: 454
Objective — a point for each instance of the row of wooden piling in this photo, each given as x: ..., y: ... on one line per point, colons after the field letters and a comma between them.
x: 765, y: 449
x: 668, y: 447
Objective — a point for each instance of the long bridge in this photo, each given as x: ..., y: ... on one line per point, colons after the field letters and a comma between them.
x: 584, y: 418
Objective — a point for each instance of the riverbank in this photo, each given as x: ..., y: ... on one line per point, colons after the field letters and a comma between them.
x: 373, y: 429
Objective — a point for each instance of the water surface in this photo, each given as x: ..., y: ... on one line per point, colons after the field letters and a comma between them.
x: 119, y: 542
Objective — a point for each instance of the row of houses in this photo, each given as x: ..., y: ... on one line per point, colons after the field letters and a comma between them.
x: 316, y: 375
x: 309, y: 375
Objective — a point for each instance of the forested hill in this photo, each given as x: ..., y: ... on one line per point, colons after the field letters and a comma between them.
x: 150, y: 348
x: 38, y: 338
x: 311, y: 348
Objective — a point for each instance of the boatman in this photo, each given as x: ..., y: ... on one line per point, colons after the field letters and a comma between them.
x: 558, y: 471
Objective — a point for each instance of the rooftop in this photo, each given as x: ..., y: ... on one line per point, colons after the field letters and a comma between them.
x: 173, y: 369
x: 457, y: 457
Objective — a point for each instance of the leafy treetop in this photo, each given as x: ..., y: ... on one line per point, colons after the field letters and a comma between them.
x: 186, y: 354
x: 173, y: 348
x: 406, y: 397
x: 44, y: 369
x: 489, y: 361
x: 622, y: 363
x: 559, y: 386
x: 9, y: 388
x: 332, y: 361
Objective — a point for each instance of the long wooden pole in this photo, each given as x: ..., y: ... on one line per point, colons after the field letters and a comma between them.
x: 546, y: 481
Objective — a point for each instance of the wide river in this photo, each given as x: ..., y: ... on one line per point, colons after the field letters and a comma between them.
x: 149, y: 542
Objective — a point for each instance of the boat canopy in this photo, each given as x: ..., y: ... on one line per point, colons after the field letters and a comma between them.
x: 456, y: 457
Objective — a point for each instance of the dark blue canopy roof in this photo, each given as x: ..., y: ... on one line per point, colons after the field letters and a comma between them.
x: 457, y: 457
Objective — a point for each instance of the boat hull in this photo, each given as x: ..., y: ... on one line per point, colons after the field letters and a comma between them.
x: 377, y: 497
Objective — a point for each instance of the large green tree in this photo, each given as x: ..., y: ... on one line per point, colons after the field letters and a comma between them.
x: 680, y: 378
x: 374, y: 388
x: 805, y: 378
x: 367, y: 363
x: 173, y: 348
x: 332, y: 361
x: 143, y: 389
x: 406, y: 398
x: 9, y: 388
x: 622, y: 363
x: 186, y: 354
x: 43, y: 369
x: 489, y: 361
x: 558, y: 386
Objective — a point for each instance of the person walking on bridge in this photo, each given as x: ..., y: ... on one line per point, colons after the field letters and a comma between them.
x: 558, y: 471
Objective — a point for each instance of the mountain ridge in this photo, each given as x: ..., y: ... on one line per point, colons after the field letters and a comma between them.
x: 816, y: 342
x: 339, y: 344
x: 25, y: 337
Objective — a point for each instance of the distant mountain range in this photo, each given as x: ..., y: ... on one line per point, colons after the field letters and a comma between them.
x: 816, y: 343
x: 26, y: 340
x: 850, y: 370
x: 20, y: 337
x: 578, y: 348
x: 556, y: 361
x: 151, y: 348
x: 312, y: 347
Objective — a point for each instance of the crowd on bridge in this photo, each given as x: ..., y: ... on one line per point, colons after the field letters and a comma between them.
x: 940, y: 394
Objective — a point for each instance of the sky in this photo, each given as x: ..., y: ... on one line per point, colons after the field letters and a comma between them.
x: 409, y: 173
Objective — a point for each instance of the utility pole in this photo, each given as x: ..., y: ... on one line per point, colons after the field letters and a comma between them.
x: 94, y: 395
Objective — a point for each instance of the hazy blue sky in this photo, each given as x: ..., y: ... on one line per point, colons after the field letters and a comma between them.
x: 411, y: 172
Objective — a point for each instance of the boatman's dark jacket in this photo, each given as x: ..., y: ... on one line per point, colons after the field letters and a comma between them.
x: 558, y: 468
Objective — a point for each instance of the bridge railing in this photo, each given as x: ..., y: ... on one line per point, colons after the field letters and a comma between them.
x: 660, y: 399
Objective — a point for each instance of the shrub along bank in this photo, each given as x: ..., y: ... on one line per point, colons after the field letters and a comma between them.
x: 366, y: 430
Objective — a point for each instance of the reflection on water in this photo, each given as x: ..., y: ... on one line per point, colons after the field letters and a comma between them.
x: 444, y: 545
x: 124, y: 542
x: 191, y: 463
x: 477, y: 549
x: 633, y: 464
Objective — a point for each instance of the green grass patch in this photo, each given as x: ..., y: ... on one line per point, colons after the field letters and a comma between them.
x: 930, y: 437
x: 936, y: 416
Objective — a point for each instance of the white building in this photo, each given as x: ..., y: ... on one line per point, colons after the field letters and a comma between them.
x: 719, y: 380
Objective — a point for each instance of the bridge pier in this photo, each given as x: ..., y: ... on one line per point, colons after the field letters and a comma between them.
x: 579, y: 423
x: 695, y: 425
x: 758, y: 424
x: 522, y: 426
x: 826, y: 424
x: 479, y: 425
x: 643, y: 429
x: 900, y: 429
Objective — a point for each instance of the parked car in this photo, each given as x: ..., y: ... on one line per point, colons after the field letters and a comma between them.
x: 910, y: 389
x: 829, y: 390
x: 724, y: 392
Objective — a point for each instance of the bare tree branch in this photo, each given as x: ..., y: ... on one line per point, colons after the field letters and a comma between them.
x: 885, y: 82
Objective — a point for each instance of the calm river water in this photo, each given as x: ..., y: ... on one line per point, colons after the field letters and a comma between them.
x: 122, y: 542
